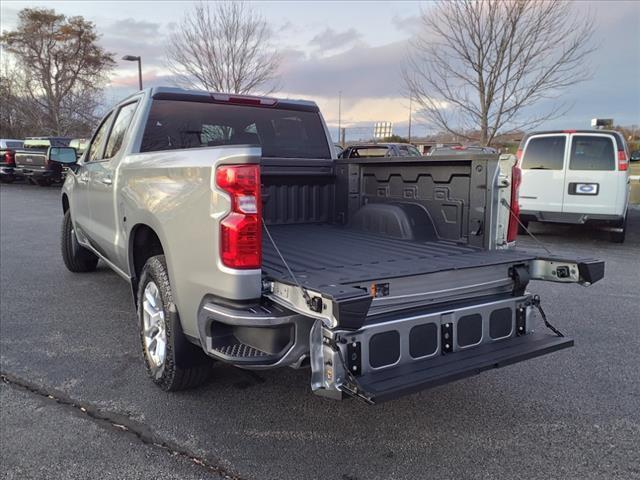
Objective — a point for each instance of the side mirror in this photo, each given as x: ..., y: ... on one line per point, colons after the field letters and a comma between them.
x: 64, y: 155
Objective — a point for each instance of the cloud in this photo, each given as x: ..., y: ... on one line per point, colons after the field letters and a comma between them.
x: 135, y: 37
x: 411, y: 23
x: 360, y: 72
x: 329, y: 39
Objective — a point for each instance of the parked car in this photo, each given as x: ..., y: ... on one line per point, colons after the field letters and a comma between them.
x: 244, y: 241
x: 461, y: 150
x: 369, y: 150
x: 8, y: 149
x: 575, y: 177
x: 32, y: 161
x: 635, y: 156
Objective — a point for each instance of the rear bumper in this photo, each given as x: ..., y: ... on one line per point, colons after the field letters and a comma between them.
x: 569, y: 218
x: 254, y: 336
x: 35, y: 173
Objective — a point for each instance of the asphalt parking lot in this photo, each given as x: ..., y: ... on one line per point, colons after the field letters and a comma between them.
x: 573, y: 414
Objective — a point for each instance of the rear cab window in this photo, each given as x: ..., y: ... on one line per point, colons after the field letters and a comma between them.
x: 281, y: 132
x: 544, y: 153
x: 366, y: 152
x: 592, y: 152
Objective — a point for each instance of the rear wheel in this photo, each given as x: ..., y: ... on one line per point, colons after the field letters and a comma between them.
x: 618, y: 236
x: 521, y: 228
x: 7, y: 178
x: 172, y: 362
x: 76, y: 258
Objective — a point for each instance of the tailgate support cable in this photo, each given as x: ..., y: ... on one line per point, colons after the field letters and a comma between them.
x: 535, y: 301
x: 506, y: 204
x: 305, y: 294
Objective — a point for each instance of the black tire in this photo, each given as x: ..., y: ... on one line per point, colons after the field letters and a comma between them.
x: 76, y: 258
x: 522, y: 230
x: 44, y: 182
x: 185, y: 365
x: 7, y: 178
x: 619, y: 236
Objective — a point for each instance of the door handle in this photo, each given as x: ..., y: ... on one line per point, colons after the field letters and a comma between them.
x: 107, y: 180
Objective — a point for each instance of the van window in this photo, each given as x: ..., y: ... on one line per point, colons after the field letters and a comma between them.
x: 589, y: 152
x: 544, y: 153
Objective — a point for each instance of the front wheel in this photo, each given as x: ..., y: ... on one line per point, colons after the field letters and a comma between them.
x: 76, y: 258
x: 172, y: 362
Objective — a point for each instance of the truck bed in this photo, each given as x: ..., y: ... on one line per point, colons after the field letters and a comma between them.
x: 323, y: 255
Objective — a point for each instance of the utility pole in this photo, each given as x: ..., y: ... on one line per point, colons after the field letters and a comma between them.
x: 340, y: 117
x: 410, y: 105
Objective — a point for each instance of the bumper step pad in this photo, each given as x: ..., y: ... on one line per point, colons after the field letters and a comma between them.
x: 394, y: 382
x: 240, y: 350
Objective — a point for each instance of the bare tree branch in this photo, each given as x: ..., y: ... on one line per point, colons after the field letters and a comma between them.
x: 478, y: 65
x: 224, y: 47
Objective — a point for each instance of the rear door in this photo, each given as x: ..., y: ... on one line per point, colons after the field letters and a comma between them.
x: 591, y: 182
x: 543, y: 173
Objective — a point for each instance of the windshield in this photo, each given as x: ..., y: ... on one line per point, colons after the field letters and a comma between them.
x: 175, y: 124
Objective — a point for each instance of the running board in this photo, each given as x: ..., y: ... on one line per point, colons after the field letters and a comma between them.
x: 410, y: 378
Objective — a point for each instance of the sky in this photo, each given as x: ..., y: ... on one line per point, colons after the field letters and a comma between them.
x: 358, y: 49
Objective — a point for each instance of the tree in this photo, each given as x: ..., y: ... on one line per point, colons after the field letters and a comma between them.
x: 224, y: 47
x: 478, y: 65
x: 56, y: 73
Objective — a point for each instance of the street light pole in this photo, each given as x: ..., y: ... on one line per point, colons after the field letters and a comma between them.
x: 340, y: 117
x: 133, y: 58
x: 410, y: 105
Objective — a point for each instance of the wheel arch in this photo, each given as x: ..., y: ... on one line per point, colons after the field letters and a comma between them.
x: 144, y: 243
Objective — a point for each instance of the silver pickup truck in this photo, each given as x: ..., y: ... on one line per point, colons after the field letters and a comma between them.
x: 245, y: 240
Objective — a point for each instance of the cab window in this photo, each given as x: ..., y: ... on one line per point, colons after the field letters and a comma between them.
x: 97, y: 144
x: 544, y: 153
x: 120, y: 127
x: 590, y: 152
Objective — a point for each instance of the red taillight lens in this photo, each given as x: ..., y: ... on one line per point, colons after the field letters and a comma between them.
x: 9, y: 158
x: 516, y: 179
x: 623, y: 161
x: 240, y: 231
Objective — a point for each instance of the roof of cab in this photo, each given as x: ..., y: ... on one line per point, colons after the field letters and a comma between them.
x: 175, y: 93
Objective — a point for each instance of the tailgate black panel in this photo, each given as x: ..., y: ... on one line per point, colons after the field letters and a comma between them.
x: 395, y: 382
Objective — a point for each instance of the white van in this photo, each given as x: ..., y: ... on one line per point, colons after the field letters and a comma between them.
x: 575, y: 176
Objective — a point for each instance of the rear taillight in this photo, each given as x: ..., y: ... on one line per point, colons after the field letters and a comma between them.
x: 9, y: 158
x: 519, y: 156
x: 240, y: 231
x: 516, y: 178
x: 623, y: 161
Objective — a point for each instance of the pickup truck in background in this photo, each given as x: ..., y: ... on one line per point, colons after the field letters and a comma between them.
x: 8, y: 149
x: 32, y: 160
x: 245, y: 240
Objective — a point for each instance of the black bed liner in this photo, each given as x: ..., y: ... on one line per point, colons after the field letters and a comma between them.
x: 328, y: 255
